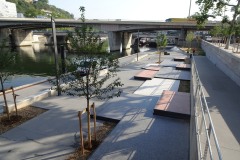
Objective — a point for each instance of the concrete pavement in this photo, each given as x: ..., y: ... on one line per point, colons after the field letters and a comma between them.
x: 222, y: 95
x: 139, y: 134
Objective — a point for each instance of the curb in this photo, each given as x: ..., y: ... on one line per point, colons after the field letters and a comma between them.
x: 139, y: 58
x: 25, y: 86
x: 30, y: 100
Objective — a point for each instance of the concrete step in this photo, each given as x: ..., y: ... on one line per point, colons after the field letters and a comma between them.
x: 173, y: 104
x: 26, y: 101
x: 186, y: 67
x: 145, y: 75
x: 156, y: 86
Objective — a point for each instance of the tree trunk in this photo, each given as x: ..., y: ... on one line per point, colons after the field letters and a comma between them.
x: 89, y: 124
x: 5, y: 99
x: 159, y: 57
x: 88, y: 111
x: 228, y: 42
x: 232, y: 25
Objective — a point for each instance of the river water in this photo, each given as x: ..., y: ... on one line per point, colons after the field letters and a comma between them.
x: 36, y: 63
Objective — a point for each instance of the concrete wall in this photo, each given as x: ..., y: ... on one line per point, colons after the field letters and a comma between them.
x: 225, y: 60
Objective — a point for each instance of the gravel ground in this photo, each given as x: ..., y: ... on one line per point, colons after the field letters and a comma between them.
x: 24, y: 115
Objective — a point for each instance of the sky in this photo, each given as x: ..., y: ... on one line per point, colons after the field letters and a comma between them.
x: 156, y: 10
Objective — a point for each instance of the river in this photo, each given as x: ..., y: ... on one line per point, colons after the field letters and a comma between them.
x: 36, y: 63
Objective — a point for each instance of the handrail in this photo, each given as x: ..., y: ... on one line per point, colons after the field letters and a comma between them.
x: 201, y: 114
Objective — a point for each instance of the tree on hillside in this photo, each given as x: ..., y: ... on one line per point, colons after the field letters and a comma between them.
x: 7, y: 59
x: 43, y: 1
x: 189, y: 39
x: 214, y: 8
x: 161, y: 41
x: 86, y: 78
x: 34, y: 9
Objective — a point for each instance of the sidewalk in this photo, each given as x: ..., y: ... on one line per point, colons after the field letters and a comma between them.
x: 139, y: 134
x: 223, y: 98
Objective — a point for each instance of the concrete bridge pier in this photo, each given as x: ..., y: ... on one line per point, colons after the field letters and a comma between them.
x: 60, y: 40
x: 22, y: 37
x: 183, y: 34
x: 126, y: 40
x: 114, y: 40
x: 4, y: 35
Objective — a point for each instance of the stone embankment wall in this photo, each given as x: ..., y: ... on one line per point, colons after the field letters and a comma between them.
x: 225, y: 60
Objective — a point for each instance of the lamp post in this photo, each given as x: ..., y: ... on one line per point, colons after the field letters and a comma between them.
x: 138, y: 46
x: 55, y: 55
x: 190, y: 5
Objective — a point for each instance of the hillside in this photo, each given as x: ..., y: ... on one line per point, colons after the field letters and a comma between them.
x: 40, y: 8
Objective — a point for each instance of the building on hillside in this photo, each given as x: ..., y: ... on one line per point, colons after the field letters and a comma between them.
x: 47, y: 12
x: 29, y: 1
x: 7, y: 9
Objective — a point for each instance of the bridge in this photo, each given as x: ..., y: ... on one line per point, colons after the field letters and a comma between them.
x: 119, y: 32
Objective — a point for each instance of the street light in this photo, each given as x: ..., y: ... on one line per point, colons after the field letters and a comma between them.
x: 55, y: 55
x: 138, y: 46
x: 190, y: 5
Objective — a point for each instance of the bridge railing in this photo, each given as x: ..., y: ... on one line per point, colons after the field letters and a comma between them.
x: 203, y: 140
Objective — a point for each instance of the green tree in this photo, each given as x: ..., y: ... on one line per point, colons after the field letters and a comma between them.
x: 86, y: 78
x: 225, y: 33
x: 161, y: 41
x: 7, y: 59
x: 216, y: 31
x: 189, y: 39
x: 213, y: 8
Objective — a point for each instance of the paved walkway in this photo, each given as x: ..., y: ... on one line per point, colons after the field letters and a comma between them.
x: 223, y: 98
x: 139, y: 134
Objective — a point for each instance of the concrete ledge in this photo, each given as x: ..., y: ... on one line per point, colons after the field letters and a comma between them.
x: 31, y: 99
x: 225, y: 60
x: 26, y: 86
x: 153, y: 68
x: 145, y: 75
x: 186, y: 67
x: 140, y: 57
x: 173, y: 104
x: 179, y: 59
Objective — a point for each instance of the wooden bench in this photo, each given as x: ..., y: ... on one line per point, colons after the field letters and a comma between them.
x: 186, y: 67
x: 173, y: 104
x: 145, y: 75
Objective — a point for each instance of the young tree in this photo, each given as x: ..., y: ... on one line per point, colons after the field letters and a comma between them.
x: 213, y: 8
x: 189, y: 39
x: 161, y: 41
x: 198, y: 38
x: 86, y: 79
x: 7, y: 59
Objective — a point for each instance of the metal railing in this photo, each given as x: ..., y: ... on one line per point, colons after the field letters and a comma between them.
x: 203, y: 140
